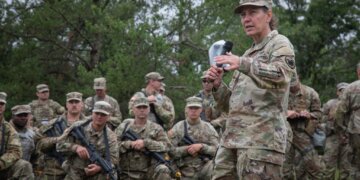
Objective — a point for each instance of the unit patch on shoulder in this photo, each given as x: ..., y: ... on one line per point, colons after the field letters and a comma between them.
x: 290, y: 62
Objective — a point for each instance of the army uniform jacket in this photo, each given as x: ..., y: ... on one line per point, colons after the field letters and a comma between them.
x: 348, y: 109
x: 201, y: 132
x: 209, y: 111
x: 45, y: 111
x: 305, y: 99
x: 155, y: 140
x: 257, y: 99
x: 46, y: 144
x: 164, y: 109
x: 68, y: 147
x: 115, y: 117
x: 12, y: 150
x: 329, y: 109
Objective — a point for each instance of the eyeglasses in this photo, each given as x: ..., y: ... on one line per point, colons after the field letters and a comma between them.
x: 207, y: 81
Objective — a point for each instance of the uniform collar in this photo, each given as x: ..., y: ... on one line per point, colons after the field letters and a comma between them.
x: 256, y: 47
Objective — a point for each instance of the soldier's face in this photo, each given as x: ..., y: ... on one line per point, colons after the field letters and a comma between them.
x: 156, y: 84
x: 99, y: 118
x: 21, y: 120
x: 255, y: 21
x: 74, y: 106
x: 100, y: 92
x: 2, y: 107
x: 207, y: 84
x: 43, y: 95
x: 193, y: 112
x: 141, y: 112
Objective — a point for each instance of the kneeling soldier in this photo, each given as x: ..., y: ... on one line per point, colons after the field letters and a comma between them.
x: 141, y: 141
x: 91, y: 147
x: 195, y: 142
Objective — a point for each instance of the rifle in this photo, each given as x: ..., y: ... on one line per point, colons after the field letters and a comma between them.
x: 57, y: 127
x: 189, y: 141
x: 94, y: 155
x: 131, y: 135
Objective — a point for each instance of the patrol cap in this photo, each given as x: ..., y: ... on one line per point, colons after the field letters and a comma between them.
x: 204, y: 75
x: 73, y: 96
x: 99, y: 83
x: 42, y: 88
x: 21, y: 109
x: 154, y: 76
x: 260, y: 3
x: 102, y: 107
x: 341, y: 86
x: 193, y: 102
x: 141, y: 101
x: 3, y: 97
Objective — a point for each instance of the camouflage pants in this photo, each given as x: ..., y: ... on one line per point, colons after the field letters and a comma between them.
x: 355, y: 162
x: 233, y: 164
x: 201, y: 172
x: 160, y: 172
x: 20, y: 170
x: 304, y: 158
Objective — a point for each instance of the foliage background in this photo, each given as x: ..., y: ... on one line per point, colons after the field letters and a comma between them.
x: 68, y: 43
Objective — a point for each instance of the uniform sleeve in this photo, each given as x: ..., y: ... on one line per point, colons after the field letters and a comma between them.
x: 342, y: 110
x: 326, y: 112
x: 166, y: 112
x: 13, y: 151
x: 116, y: 117
x: 114, y: 149
x: 270, y: 74
x: 123, y: 145
x: 58, y: 108
x: 175, y: 136
x: 222, y: 96
x: 68, y: 145
x: 88, y: 105
x: 158, y: 141
x: 211, y: 145
x: 315, y: 108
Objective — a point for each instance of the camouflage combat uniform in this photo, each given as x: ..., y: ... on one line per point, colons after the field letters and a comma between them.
x: 348, y: 114
x: 336, y: 152
x: 303, y: 156
x: 74, y: 165
x: 164, y: 109
x: 135, y: 164
x: 46, y: 143
x: 201, y: 132
x: 209, y: 112
x: 44, y: 111
x: 257, y: 99
x: 11, y: 166
x: 115, y: 117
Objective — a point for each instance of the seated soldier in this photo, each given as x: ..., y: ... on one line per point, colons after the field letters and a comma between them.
x: 83, y: 135
x: 11, y: 166
x: 135, y: 164
x: 195, y: 142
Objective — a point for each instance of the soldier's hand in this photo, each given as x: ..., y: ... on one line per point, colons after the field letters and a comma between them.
x: 138, y: 144
x: 151, y: 99
x: 305, y: 114
x: 92, y: 169
x: 215, y: 73
x: 229, y: 58
x: 194, y: 149
x: 292, y: 114
x: 82, y: 152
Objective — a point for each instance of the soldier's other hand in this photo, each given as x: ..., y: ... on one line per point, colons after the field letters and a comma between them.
x: 92, y: 169
x: 194, y: 149
x: 229, y: 58
x: 138, y: 144
x: 292, y: 114
x: 305, y: 114
x: 82, y: 152
x: 151, y: 99
x: 215, y: 73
